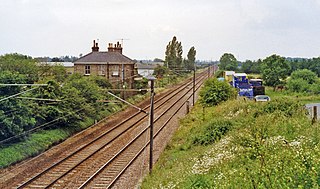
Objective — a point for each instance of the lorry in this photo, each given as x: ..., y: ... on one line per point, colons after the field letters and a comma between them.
x: 257, y: 85
x: 241, y: 83
x: 245, y: 87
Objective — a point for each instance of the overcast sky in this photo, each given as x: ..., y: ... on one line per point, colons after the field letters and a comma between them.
x: 249, y: 29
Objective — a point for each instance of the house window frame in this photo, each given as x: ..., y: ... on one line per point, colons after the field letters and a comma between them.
x: 87, y: 70
x: 101, y: 69
x: 115, y: 74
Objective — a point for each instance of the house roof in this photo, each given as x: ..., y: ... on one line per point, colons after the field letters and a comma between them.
x: 103, y: 57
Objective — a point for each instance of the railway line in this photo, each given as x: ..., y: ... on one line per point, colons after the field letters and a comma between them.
x: 102, y: 160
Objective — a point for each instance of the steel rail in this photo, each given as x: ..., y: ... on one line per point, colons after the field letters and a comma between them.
x: 146, y: 145
x: 182, y: 86
x: 133, y: 140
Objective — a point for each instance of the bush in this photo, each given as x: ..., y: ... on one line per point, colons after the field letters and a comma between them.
x: 298, y: 85
x: 212, y: 132
x: 214, y: 92
x: 283, y: 105
x: 302, y: 81
x: 307, y: 75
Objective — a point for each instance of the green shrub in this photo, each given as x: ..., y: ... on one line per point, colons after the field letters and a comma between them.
x: 287, y: 106
x: 212, y: 132
x: 315, y: 87
x: 214, y: 92
x: 200, y: 182
x: 307, y: 75
x: 302, y: 81
x: 298, y: 85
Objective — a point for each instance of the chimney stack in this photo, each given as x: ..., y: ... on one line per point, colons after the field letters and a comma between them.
x: 116, y: 48
x: 95, y: 47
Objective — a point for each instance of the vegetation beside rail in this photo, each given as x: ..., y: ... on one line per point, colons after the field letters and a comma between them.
x: 243, y: 144
x: 48, y: 115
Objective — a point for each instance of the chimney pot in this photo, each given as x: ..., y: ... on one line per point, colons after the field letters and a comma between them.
x: 95, y: 47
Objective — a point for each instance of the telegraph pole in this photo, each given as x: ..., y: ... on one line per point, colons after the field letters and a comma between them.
x: 151, y: 79
x: 194, y: 84
x: 122, y: 81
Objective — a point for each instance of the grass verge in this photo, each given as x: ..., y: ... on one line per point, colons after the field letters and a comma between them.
x: 242, y: 144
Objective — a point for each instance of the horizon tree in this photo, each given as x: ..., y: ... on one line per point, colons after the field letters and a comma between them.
x: 173, y: 58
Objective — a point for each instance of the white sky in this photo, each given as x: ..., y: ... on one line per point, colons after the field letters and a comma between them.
x: 249, y: 29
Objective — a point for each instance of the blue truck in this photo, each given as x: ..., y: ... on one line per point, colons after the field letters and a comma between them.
x: 242, y: 84
x: 246, y: 88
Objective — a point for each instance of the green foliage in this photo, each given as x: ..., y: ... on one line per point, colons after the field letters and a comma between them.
x: 199, y: 182
x: 228, y: 62
x: 102, y: 82
x: 214, y: 92
x: 21, y: 64
x: 160, y: 71
x: 315, y: 87
x: 288, y: 107
x: 270, y: 145
x: 189, y: 63
x: 218, y: 74
x: 68, y: 103
x: 212, y: 132
x: 302, y: 81
x: 173, y: 54
x: 307, y: 75
x: 11, y: 77
x: 31, y: 147
x: 251, y: 66
x: 141, y: 84
x: 298, y: 85
x: 310, y: 64
x: 274, y: 69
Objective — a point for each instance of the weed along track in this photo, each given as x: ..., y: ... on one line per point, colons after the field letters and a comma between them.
x: 101, y: 161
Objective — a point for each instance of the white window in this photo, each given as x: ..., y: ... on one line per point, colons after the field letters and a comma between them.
x: 86, y: 70
x: 115, y: 73
x: 102, y: 70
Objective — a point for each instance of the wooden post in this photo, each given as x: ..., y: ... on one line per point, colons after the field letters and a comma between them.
x: 187, y: 106
x: 315, y: 114
x: 203, y: 113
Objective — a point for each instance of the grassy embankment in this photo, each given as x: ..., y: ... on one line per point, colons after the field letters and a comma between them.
x: 42, y: 140
x: 243, y: 144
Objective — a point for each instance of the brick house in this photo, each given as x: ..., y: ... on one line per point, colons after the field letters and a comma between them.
x: 111, y: 64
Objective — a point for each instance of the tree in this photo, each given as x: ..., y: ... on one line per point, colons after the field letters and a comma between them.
x: 15, y: 116
x: 191, y: 58
x: 228, y: 62
x: 56, y: 59
x: 21, y: 64
x: 251, y: 66
x: 157, y: 60
x: 173, y: 58
x: 274, y: 70
x: 8, y: 77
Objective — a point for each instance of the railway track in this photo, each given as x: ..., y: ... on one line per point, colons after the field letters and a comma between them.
x: 100, y: 162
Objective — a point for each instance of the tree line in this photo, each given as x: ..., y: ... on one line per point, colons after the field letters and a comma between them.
x: 276, y: 70
x: 64, y: 102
